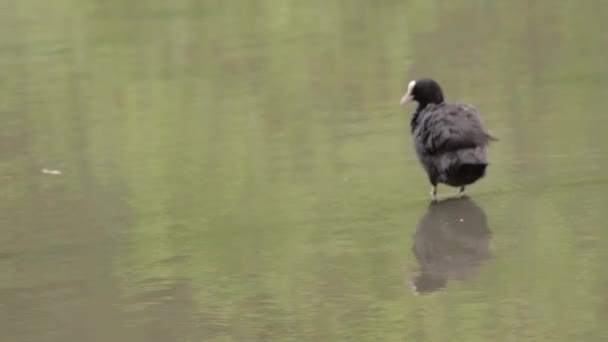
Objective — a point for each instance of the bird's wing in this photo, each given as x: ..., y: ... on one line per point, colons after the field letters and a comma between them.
x: 451, y: 127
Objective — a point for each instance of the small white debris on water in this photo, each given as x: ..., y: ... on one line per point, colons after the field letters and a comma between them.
x: 51, y: 172
x: 461, y: 220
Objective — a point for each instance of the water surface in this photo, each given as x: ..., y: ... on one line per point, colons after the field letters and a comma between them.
x: 242, y: 171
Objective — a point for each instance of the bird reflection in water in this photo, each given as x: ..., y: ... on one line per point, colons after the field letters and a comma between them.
x: 452, y: 239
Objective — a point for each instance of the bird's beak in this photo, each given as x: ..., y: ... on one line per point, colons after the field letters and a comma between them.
x: 406, y: 98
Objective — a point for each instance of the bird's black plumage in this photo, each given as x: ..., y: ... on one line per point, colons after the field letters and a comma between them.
x: 449, y: 138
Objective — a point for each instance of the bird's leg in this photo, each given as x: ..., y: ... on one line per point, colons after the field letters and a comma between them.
x: 433, y: 180
x: 434, y: 192
x: 461, y: 191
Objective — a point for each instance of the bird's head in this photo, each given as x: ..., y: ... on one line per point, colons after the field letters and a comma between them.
x: 423, y: 91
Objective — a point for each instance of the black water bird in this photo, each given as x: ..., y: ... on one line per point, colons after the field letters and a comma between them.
x: 449, y: 138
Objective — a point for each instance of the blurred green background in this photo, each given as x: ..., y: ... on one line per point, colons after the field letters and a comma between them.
x: 242, y: 171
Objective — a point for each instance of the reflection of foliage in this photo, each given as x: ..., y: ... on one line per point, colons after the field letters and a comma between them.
x: 263, y: 140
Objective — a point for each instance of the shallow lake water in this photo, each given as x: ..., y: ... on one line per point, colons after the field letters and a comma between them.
x: 242, y: 171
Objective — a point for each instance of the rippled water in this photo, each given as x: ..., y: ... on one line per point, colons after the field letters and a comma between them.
x: 242, y: 171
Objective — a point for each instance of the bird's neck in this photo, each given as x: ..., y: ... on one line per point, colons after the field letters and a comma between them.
x: 419, y: 112
x: 423, y: 104
x: 414, y: 122
x: 421, y: 107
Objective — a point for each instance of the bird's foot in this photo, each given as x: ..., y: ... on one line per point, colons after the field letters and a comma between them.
x: 461, y: 191
x: 434, y: 193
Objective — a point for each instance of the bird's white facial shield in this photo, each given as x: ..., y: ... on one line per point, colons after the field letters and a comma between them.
x: 408, y: 96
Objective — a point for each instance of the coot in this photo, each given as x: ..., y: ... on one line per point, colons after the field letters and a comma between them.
x: 449, y: 138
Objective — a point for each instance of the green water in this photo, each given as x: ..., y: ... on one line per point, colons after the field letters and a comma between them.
x: 242, y: 171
